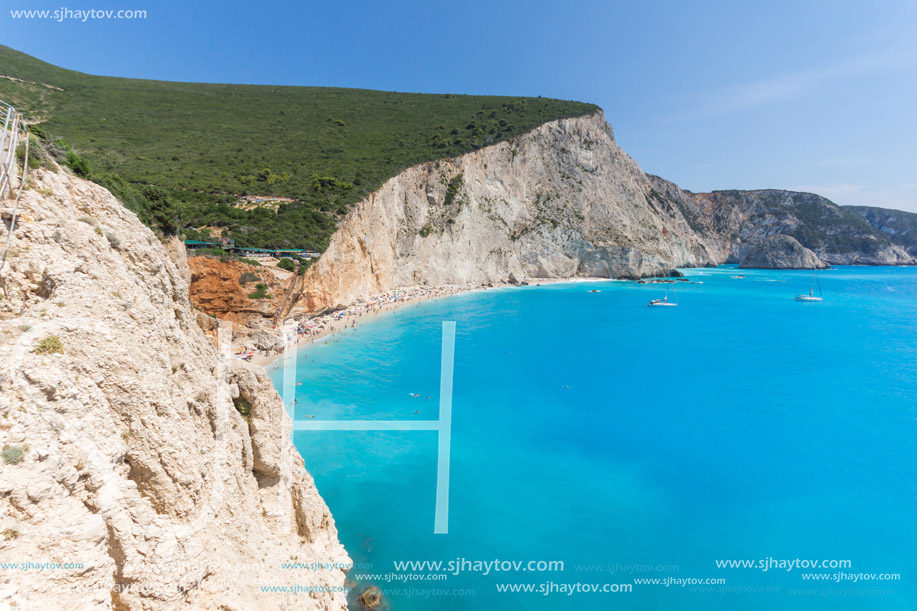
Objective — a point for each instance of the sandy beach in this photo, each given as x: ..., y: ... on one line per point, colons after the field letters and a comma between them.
x: 324, y: 326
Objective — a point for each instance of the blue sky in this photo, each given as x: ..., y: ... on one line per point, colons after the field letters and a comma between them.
x: 816, y: 96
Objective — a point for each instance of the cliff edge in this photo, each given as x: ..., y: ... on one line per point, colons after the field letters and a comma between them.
x: 561, y: 201
x: 127, y: 461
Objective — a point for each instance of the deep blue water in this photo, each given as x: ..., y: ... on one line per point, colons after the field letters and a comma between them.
x: 741, y: 425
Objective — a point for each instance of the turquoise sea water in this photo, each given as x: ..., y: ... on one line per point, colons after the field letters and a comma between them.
x: 741, y: 425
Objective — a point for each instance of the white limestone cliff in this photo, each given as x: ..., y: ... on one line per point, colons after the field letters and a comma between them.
x: 564, y: 201
x: 561, y: 201
x: 124, y: 453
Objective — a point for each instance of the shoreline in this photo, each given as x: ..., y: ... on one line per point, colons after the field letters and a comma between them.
x: 325, y: 326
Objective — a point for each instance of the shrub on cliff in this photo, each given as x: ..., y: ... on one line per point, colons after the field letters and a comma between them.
x: 155, y: 206
x: 50, y: 345
x: 244, y: 407
x: 286, y: 264
x: 261, y: 293
x: 13, y: 455
x: 452, y: 190
x: 78, y: 164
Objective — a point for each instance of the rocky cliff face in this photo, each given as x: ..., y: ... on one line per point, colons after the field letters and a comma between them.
x: 222, y: 288
x: 742, y: 220
x: 559, y: 202
x: 900, y: 227
x: 229, y: 290
x: 782, y: 252
x: 564, y: 201
x: 125, y: 450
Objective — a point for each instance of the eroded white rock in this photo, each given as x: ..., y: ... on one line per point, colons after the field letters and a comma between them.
x: 151, y: 481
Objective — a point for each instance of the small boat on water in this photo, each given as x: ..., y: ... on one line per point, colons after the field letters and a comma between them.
x: 812, y: 297
x: 664, y: 302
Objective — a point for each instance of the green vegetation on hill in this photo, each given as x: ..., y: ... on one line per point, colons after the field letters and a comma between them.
x: 899, y: 226
x: 179, y: 154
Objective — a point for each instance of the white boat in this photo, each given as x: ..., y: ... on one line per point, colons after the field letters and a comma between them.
x: 812, y: 297
x: 664, y: 302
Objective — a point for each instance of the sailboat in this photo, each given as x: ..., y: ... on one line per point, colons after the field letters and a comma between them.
x: 812, y: 297
x: 664, y: 302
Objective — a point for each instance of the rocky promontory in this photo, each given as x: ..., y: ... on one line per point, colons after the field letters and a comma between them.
x: 739, y: 221
x: 782, y: 252
x: 564, y: 201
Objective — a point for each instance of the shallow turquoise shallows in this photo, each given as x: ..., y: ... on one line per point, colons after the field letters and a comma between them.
x: 633, y: 443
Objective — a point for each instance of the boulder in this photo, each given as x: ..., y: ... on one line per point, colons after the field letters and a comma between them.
x: 265, y: 340
x: 371, y: 597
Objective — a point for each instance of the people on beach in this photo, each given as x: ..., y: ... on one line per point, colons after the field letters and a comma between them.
x: 313, y: 328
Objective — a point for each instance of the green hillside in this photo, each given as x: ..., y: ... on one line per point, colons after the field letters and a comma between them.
x: 898, y: 226
x: 181, y: 153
